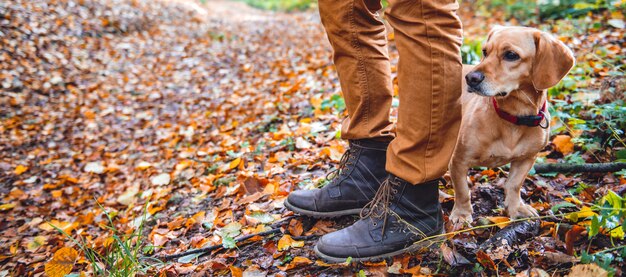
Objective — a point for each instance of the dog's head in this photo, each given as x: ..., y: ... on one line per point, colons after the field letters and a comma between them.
x: 517, y: 57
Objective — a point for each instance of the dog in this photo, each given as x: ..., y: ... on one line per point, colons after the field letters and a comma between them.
x: 505, y: 114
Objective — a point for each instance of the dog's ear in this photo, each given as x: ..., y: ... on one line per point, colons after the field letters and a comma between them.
x: 553, y: 60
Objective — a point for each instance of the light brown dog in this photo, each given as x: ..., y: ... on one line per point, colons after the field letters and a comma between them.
x: 505, y: 117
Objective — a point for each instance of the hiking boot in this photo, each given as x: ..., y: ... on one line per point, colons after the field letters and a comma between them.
x: 352, y: 184
x: 400, y: 219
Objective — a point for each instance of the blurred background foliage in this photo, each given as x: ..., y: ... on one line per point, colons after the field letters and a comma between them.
x: 589, y: 103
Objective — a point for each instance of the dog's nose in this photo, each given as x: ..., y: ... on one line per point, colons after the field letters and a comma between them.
x: 474, y: 78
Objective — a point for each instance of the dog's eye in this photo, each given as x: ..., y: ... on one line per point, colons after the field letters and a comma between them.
x: 511, y: 56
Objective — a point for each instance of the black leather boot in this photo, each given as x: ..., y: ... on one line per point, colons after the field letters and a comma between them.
x: 400, y: 219
x: 352, y: 184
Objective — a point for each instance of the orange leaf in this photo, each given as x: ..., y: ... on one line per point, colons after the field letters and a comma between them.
x: 287, y: 242
x: 488, y: 173
x: 235, y: 271
x: 295, y: 227
x: 563, y: 144
x: 296, y: 262
x: 62, y: 262
x: 20, y: 169
x: 501, y: 221
x: 571, y: 237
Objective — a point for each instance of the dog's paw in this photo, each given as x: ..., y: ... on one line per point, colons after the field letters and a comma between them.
x: 460, y: 219
x: 522, y: 211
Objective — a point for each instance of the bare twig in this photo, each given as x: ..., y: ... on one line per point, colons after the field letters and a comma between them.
x: 207, y: 249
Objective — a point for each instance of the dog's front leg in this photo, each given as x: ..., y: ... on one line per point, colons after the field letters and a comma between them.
x: 515, y: 206
x: 462, y: 211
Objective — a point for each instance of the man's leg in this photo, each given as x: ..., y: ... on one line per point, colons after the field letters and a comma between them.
x: 406, y: 208
x: 428, y: 36
x: 359, y: 42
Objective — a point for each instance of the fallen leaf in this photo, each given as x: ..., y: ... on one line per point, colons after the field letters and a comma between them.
x: 20, y: 169
x: 236, y: 271
x: 287, y: 242
x: 6, y: 207
x: 453, y: 257
x: 94, y: 167
x: 36, y: 242
x: 587, y: 270
x: 563, y: 144
x: 295, y: 227
x: 254, y: 271
x: 583, y: 213
x: 234, y: 163
x: 161, y: 179
x: 485, y: 260
x: 501, y: 221
x: 66, y: 227
x: 572, y: 236
x: 296, y: 262
x: 62, y: 262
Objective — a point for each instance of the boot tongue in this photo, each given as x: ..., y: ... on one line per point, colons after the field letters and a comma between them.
x: 378, y: 208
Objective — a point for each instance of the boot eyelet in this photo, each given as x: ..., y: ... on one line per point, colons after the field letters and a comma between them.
x: 375, y: 224
x: 395, y: 191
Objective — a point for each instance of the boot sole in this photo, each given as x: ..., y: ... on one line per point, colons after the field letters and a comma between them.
x: 315, y: 214
x: 412, y: 248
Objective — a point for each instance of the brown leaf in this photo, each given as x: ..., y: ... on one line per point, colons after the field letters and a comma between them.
x: 485, y: 260
x: 590, y: 270
x: 452, y: 257
x: 572, y: 236
x: 295, y: 227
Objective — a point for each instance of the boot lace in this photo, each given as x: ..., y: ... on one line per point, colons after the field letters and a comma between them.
x: 379, y: 206
x: 343, y: 163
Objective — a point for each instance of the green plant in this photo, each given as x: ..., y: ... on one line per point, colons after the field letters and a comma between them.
x: 122, y: 254
x: 335, y: 101
x: 471, y: 51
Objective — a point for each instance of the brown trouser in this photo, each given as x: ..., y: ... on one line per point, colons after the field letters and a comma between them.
x: 428, y: 35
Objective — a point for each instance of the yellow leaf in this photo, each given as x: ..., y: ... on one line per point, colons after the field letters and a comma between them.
x: 62, y: 262
x: 6, y: 207
x: 67, y: 227
x: 143, y: 165
x: 563, y: 144
x: 20, y: 169
x: 234, y: 163
x: 37, y: 242
x: 501, y: 221
x: 583, y: 213
x: 287, y: 242
x: 617, y: 233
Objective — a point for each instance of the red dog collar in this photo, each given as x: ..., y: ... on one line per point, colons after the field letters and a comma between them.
x: 528, y: 120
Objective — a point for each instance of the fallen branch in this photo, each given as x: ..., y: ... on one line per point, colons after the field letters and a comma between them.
x: 513, y: 234
x: 215, y: 247
x: 579, y: 168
